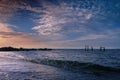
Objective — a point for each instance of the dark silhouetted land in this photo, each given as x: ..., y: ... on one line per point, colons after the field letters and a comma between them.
x: 22, y: 49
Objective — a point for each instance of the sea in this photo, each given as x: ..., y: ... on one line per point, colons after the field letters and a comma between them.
x: 60, y: 64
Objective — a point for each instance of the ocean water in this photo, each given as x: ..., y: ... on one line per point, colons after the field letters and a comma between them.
x: 64, y: 64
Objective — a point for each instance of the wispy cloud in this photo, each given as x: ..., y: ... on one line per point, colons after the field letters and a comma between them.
x: 9, y: 37
x: 9, y: 8
x: 5, y: 28
x: 58, y: 22
x: 68, y: 19
x: 63, y: 19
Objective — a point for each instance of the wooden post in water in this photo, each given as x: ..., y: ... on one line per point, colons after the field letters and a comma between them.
x: 102, y: 48
x: 86, y: 48
x: 92, y: 48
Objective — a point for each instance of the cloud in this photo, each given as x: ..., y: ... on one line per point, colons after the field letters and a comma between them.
x: 92, y: 37
x: 9, y: 37
x: 47, y: 30
x: 9, y: 8
x: 88, y: 16
x: 5, y: 28
x: 5, y: 12
x: 62, y: 20
x: 58, y: 21
x: 69, y: 18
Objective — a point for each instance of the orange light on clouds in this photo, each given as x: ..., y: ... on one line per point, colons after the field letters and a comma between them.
x: 9, y: 37
x: 18, y: 41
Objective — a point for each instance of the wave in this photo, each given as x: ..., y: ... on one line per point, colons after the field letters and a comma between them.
x: 11, y: 55
x: 76, y: 66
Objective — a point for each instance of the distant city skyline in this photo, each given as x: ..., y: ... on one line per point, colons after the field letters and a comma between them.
x: 60, y: 23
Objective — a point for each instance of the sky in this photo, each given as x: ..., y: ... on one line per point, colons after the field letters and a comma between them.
x: 60, y: 23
